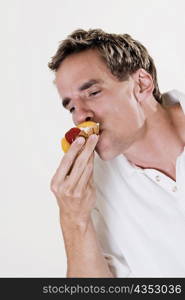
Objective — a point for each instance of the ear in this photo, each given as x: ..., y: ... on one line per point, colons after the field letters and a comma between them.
x: 143, y: 84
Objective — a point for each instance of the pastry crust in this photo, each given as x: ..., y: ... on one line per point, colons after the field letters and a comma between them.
x: 86, y: 129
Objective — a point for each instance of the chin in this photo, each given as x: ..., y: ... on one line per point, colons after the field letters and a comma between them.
x: 106, y: 153
x: 105, y: 157
x: 104, y: 147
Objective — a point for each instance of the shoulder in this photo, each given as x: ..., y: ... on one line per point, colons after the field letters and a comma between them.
x: 173, y: 97
x: 174, y: 104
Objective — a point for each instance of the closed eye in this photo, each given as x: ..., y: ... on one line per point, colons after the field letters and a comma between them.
x: 94, y: 93
x: 90, y: 94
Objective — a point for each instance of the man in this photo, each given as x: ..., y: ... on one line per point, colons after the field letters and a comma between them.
x: 122, y: 214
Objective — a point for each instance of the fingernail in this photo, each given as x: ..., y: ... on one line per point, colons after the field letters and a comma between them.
x: 80, y: 140
x: 94, y: 137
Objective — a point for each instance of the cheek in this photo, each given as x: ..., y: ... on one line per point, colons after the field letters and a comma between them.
x: 108, y: 145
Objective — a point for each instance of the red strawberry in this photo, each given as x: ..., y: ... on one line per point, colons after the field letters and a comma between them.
x: 72, y: 134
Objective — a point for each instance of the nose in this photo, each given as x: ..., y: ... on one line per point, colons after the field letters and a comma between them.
x: 80, y: 115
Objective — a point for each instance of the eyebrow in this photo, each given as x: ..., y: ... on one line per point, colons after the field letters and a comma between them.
x: 84, y: 86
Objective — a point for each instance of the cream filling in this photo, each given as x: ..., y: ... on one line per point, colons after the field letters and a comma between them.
x: 86, y: 129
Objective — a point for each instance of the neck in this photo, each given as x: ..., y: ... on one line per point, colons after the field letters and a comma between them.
x: 160, y: 144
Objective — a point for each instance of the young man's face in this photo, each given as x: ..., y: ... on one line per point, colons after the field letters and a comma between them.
x: 90, y: 91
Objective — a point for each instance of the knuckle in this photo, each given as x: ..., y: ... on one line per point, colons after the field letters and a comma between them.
x: 78, y: 195
x: 52, y: 182
x: 65, y: 191
x: 53, y: 187
x: 68, y: 193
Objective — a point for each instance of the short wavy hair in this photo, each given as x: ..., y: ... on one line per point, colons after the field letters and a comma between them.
x: 121, y: 53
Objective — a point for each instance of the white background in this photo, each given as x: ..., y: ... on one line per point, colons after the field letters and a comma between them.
x: 32, y: 118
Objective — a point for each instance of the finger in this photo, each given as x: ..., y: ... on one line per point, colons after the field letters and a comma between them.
x: 91, y: 181
x: 81, y: 161
x: 68, y: 159
x: 87, y: 173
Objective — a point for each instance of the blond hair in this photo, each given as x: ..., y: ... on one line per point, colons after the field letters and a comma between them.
x: 122, y: 54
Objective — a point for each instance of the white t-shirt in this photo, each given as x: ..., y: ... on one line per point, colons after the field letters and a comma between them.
x: 140, y: 215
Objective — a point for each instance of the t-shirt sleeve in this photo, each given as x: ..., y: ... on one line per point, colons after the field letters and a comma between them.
x: 111, y: 251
